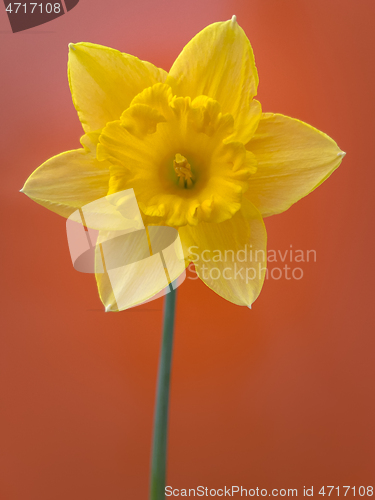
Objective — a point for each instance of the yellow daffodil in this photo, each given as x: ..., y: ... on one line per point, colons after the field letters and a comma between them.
x: 194, y: 146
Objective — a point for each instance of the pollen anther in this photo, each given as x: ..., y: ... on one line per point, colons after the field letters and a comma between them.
x: 183, y: 171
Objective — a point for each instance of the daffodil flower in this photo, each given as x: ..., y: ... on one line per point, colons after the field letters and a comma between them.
x: 200, y: 156
x: 193, y: 144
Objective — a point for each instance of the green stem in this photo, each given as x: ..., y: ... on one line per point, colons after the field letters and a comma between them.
x: 159, y: 448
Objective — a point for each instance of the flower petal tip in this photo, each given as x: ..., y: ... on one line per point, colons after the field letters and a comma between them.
x: 342, y: 154
x: 249, y: 306
x: 107, y: 308
x: 21, y: 190
x: 234, y: 19
x: 71, y: 46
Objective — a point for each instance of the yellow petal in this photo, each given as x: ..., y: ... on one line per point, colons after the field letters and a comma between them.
x: 230, y: 257
x: 104, y: 81
x: 138, y: 266
x: 219, y: 63
x: 69, y: 180
x: 293, y: 159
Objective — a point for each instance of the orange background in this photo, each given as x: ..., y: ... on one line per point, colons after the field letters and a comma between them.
x: 281, y: 396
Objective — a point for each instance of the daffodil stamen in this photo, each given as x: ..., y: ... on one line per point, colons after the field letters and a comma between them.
x: 183, y: 171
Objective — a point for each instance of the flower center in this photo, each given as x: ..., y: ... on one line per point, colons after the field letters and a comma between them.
x: 177, y: 156
x: 183, y: 171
